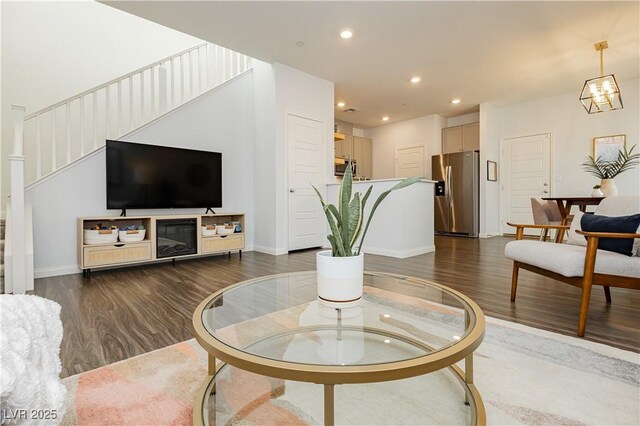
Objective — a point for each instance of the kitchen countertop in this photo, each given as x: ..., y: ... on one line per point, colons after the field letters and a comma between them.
x: 382, y: 180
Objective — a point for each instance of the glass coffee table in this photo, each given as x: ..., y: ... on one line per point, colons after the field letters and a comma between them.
x: 287, y: 358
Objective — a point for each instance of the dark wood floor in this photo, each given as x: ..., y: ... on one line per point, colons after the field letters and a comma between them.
x: 122, y: 313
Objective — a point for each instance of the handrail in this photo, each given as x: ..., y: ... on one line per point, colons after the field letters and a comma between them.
x: 114, y: 81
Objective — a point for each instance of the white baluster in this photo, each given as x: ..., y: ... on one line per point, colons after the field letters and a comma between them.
x: 95, y: 119
x: 206, y: 66
x: 107, y: 111
x: 54, y: 147
x: 17, y: 283
x: 152, y: 108
x: 216, y: 65
x: 224, y: 64
x: 82, y: 126
x: 162, y: 89
x: 38, y: 149
x: 130, y: 78
x: 190, y: 75
x: 141, y: 97
x: 173, y: 83
x: 182, y: 84
x: 68, y: 124
x: 199, y: 70
x: 119, y: 108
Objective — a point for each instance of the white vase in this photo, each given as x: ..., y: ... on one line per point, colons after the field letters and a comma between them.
x: 597, y: 193
x: 608, y: 187
x: 339, y: 278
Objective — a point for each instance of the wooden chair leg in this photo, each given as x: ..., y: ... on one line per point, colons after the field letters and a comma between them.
x: 514, y: 281
x: 587, y: 281
x: 584, y: 306
x: 607, y: 294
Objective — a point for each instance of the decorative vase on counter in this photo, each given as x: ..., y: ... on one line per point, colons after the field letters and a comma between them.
x: 597, y: 193
x: 340, y: 279
x: 608, y: 187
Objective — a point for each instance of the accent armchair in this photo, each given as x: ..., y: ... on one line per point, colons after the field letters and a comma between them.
x: 580, y: 266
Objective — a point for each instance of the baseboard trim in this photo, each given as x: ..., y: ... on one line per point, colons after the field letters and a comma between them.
x: 56, y: 271
x: 400, y: 254
x: 487, y: 235
x: 269, y: 250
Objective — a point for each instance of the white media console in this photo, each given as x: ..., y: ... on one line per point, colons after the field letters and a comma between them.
x: 115, y: 254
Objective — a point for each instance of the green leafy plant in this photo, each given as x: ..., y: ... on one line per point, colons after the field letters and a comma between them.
x: 345, y: 221
x: 602, y: 169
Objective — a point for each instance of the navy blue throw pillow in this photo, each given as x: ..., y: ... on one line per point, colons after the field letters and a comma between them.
x: 620, y: 224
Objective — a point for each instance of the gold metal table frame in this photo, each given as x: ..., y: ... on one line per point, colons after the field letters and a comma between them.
x: 331, y: 375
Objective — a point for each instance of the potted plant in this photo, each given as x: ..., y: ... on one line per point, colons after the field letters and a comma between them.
x: 341, y: 269
x: 596, y: 191
x: 606, y: 171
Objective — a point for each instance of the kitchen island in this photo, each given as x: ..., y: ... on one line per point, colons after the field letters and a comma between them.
x: 403, y: 223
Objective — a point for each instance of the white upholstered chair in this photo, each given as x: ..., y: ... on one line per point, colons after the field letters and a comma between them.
x: 580, y: 266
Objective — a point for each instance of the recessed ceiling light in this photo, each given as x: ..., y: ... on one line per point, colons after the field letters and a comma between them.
x: 455, y: 101
x: 385, y: 118
x: 341, y: 104
x: 346, y: 34
x: 300, y: 43
x: 415, y: 80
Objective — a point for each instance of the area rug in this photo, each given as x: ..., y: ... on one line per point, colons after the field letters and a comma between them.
x: 525, y: 376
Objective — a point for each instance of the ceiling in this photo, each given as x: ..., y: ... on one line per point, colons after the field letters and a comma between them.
x: 498, y: 52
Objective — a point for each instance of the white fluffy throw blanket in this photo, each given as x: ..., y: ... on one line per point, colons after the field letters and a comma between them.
x: 30, y: 337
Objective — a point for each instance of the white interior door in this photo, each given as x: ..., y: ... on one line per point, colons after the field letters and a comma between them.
x: 306, y: 167
x: 410, y: 161
x: 526, y: 167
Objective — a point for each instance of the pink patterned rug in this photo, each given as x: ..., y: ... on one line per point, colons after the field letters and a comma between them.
x: 156, y: 388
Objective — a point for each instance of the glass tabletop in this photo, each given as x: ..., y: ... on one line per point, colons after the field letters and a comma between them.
x: 280, y: 318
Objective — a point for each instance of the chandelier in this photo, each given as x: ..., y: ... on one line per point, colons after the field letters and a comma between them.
x: 602, y: 93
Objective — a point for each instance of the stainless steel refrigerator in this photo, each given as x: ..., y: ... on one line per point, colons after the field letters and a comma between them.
x: 456, y: 193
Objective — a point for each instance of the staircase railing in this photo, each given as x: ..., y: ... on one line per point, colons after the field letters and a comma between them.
x: 65, y: 131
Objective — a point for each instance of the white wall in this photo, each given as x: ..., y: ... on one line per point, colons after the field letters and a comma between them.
x: 473, y: 117
x: 425, y: 131
x: 53, y: 50
x: 220, y: 121
x: 264, y: 157
x: 489, y: 191
x: 572, y: 131
x: 302, y: 94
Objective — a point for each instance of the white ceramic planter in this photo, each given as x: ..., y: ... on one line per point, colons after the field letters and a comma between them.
x: 597, y: 193
x: 608, y: 187
x: 339, y: 278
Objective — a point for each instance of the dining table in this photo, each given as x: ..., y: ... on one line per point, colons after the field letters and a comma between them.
x: 565, y: 204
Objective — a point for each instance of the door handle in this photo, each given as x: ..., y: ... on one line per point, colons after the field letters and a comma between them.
x: 546, y: 191
x: 292, y: 190
x: 450, y: 187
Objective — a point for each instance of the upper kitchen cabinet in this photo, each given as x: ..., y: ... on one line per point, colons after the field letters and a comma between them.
x: 344, y: 148
x: 461, y: 138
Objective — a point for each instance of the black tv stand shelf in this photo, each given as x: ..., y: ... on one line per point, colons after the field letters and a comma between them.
x: 124, y: 253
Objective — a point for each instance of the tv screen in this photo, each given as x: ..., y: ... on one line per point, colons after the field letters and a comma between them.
x: 143, y: 176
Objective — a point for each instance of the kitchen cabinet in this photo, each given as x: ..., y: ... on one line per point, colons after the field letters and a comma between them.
x: 366, y: 170
x: 461, y: 138
x: 358, y: 149
x: 344, y: 148
x: 362, y: 155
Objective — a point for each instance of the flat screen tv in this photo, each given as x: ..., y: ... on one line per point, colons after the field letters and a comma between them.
x: 141, y: 176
